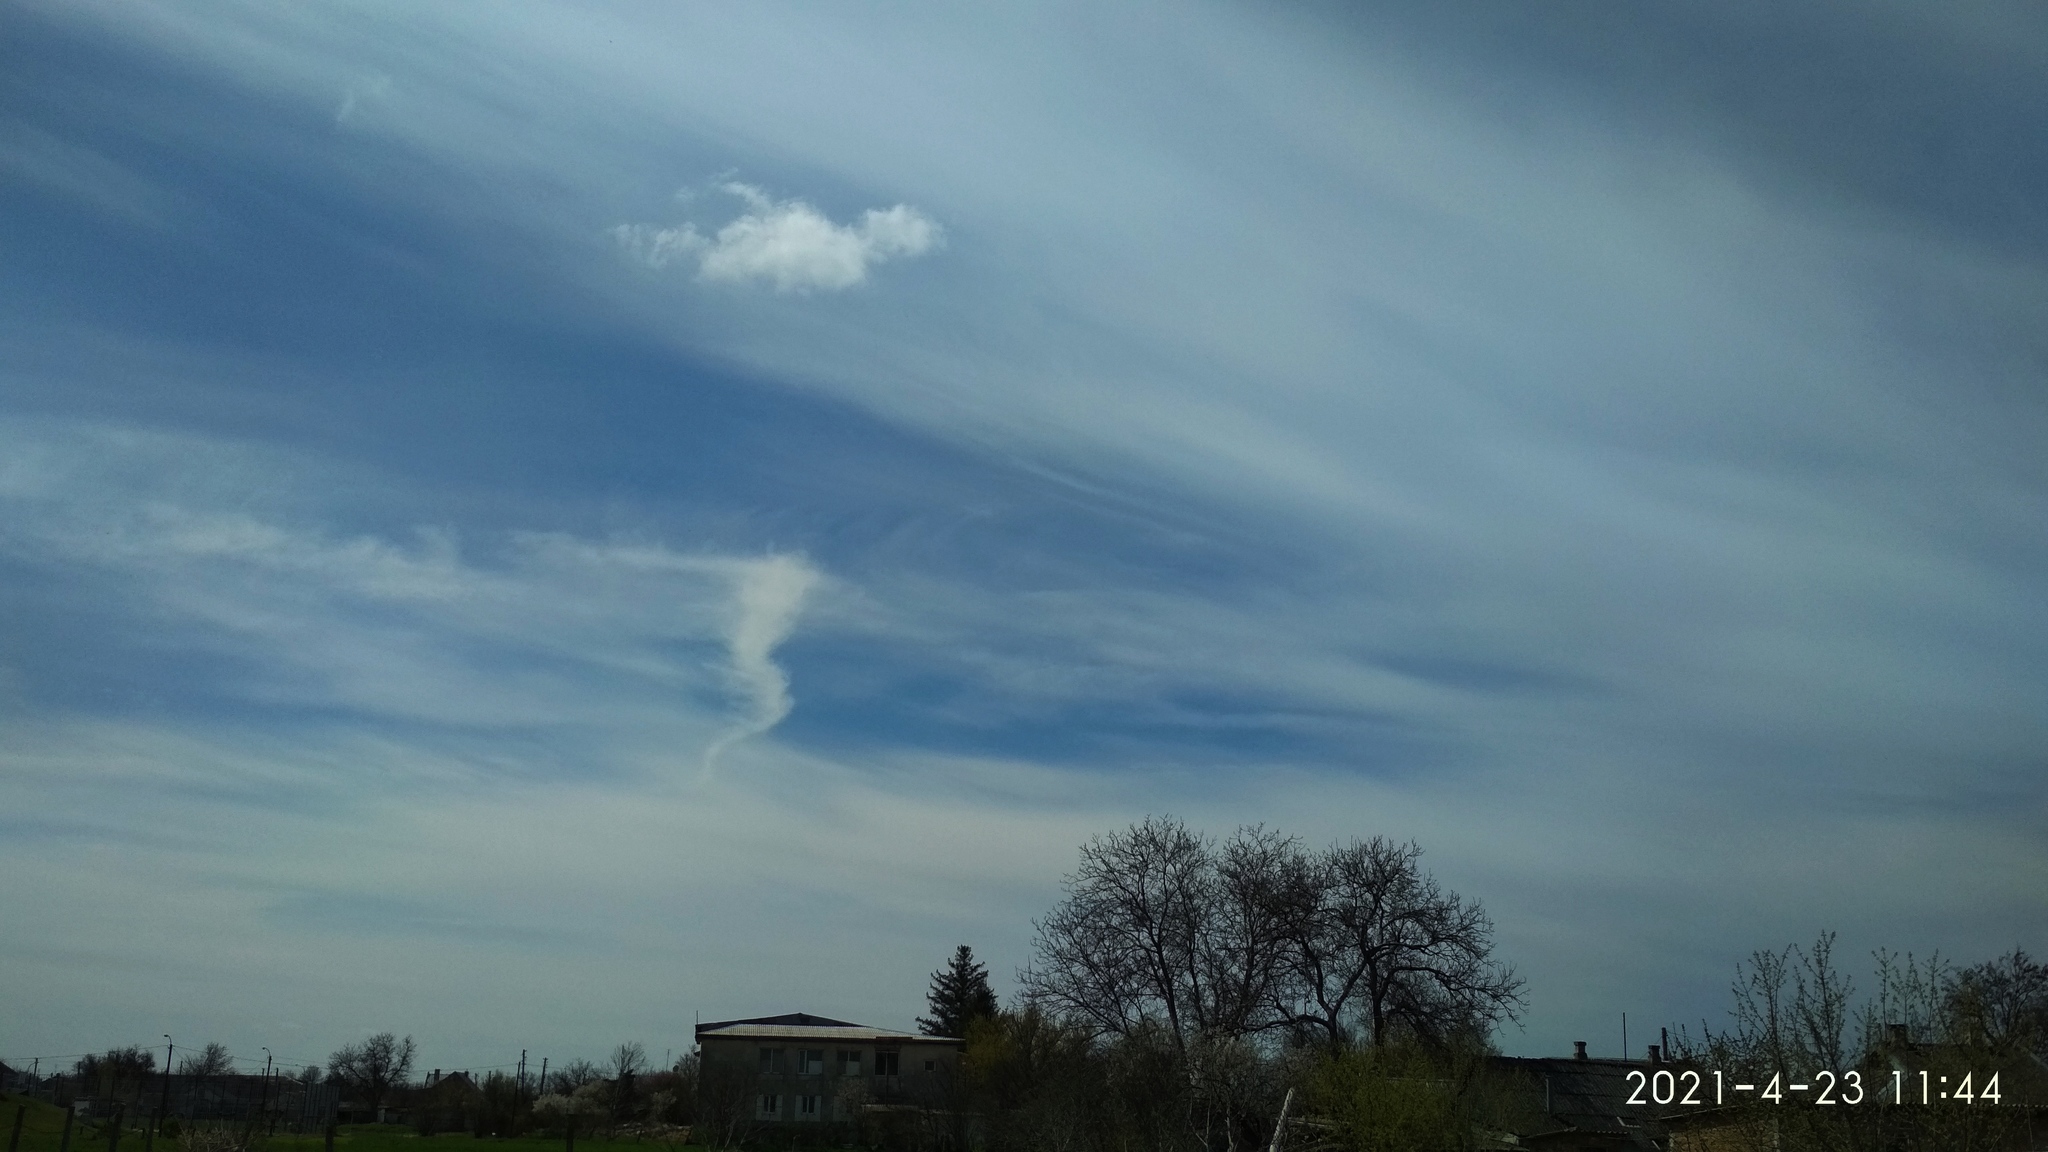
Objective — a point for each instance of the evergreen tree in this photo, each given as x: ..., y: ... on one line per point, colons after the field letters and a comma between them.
x: 959, y: 995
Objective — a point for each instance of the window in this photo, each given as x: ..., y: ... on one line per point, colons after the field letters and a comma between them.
x: 931, y: 1065
x: 849, y: 1062
x: 807, y: 1107
x: 810, y: 1062
x: 771, y: 1106
x: 886, y: 1063
x: 771, y: 1061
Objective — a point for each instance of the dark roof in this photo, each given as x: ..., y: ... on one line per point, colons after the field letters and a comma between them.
x: 1589, y: 1096
x: 786, y: 1020
x: 2023, y: 1076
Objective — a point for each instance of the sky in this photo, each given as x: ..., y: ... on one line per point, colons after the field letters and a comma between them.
x: 530, y: 525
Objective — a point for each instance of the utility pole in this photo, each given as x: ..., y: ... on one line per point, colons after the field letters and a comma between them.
x: 541, y: 1089
x: 163, y: 1107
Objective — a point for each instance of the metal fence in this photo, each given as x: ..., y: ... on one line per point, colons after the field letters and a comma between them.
x: 274, y: 1102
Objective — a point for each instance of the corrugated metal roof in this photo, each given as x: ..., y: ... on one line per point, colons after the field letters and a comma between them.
x: 851, y: 1034
x: 804, y: 1026
x: 804, y: 1018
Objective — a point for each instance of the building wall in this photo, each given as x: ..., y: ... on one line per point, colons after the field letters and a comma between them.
x: 923, y: 1070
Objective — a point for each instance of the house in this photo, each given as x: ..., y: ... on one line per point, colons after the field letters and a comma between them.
x: 2001, y: 1101
x: 1902, y: 1070
x: 1582, y: 1104
x: 445, y: 1103
x: 799, y: 1068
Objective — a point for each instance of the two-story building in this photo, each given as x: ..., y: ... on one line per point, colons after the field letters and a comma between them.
x: 800, y: 1068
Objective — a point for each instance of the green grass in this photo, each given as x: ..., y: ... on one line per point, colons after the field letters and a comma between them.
x: 43, y: 1127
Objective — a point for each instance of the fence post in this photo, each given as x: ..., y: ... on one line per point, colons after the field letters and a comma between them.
x: 20, y: 1114
x: 1280, y: 1128
x: 570, y: 1128
x: 330, y: 1136
x: 114, y: 1130
x: 64, y: 1141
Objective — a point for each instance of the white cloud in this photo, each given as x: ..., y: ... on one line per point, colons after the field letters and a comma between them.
x: 771, y: 593
x: 531, y: 630
x: 656, y: 247
x: 788, y: 243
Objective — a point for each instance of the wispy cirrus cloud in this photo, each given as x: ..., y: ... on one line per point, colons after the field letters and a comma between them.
x: 1543, y: 464
x: 787, y: 243
x: 417, y: 626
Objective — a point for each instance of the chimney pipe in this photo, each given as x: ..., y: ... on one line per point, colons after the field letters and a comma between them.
x: 1900, y: 1036
x: 1578, y: 1049
x: 1655, y: 1055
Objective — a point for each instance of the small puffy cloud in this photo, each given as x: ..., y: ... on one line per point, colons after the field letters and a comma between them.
x: 788, y: 243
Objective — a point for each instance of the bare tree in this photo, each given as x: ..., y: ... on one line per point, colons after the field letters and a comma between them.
x: 1909, y: 997
x: 1214, y: 944
x: 212, y: 1060
x: 1820, y: 1004
x: 627, y: 1060
x: 2001, y: 1005
x: 373, y: 1068
x: 1250, y: 930
x: 566, y: 1079
x: 1374, y: 938
x: 1157, y: 926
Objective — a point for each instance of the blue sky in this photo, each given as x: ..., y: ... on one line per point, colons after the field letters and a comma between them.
x: 525, y: 524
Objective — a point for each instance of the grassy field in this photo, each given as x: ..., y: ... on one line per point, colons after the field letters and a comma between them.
x: 43, y: 1127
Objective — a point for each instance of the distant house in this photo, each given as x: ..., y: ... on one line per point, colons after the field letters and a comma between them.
x: 1895, y: 1071
x: 802, y: 1069
x: 1578, y: 1104
x: 445, y: 1103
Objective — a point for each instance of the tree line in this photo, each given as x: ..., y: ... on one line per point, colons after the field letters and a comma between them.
x: 1183, y: 987
x: 1185, y: 992
x: 1795, y: 1013
x: 1188, y: 993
